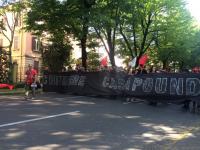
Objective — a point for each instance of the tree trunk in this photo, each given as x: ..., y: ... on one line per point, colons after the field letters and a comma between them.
x: 84, y: 52
x: 112, y: 58
x: 137, y: 62
x: 181, y: 65
x: 111, y: 48
x: 127, y: 42
x: 165, y: 65
x: 83, y: 43
x: 10, y: 54
x: 138, y: 58
x: 87, y: 6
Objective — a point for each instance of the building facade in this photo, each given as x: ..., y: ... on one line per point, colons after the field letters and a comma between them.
x: 25, y: 47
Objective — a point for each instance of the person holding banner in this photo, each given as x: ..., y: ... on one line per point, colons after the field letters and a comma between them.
x: 141, y: 70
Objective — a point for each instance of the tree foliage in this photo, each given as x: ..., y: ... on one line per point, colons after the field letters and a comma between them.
x: 3, y: 66
x: 194, y: 60
x: 105, y: 23
x: 129, y: 28
x: 65, y: 18
x: 56, y: 55
x: 144, y: 23
x: 93, y: 60
x: 174, y: 43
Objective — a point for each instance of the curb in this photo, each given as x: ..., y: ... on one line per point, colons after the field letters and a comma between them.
x: 11, y: 93
x: 17, y: 93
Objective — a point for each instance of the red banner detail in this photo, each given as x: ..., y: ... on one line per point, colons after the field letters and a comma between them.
x: 6, y: 86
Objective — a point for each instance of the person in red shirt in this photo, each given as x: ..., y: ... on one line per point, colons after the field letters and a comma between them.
x: 30, y: 84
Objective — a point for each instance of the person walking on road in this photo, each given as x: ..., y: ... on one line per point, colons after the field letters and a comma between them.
x: 30, y: 85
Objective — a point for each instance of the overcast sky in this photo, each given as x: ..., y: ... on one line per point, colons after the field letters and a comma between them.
x: 194, y: 8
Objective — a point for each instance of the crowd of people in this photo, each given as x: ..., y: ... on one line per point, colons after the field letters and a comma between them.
x: 141, y: 69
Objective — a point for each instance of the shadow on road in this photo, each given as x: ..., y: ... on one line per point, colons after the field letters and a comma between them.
x: 100, y: 124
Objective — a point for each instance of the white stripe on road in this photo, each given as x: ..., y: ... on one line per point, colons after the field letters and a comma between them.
x: 36, y: 119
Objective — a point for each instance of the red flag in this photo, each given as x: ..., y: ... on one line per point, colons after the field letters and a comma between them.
x: 104, y: 61
x: 143, y: 60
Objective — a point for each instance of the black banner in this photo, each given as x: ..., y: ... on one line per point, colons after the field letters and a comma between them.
x: 155, y: 87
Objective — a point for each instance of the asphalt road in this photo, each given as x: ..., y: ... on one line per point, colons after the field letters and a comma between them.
x: 69, y: 122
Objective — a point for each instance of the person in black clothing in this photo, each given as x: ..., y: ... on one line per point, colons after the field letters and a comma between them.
x: 141, y: 70
x: 144, y: 71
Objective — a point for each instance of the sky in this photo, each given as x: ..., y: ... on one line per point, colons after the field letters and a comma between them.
x: 194, y: 8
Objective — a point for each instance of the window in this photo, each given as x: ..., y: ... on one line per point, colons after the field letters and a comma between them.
x: 35, y: 44
x: 16, y: 43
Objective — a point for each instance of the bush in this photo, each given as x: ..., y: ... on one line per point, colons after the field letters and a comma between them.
x: 4, y: 68
x: 20, y: 85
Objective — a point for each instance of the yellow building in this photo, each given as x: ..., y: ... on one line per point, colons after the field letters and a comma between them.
x: 25, y: 47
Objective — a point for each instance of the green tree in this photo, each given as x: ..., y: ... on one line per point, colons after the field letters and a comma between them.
x: 105, y: 23
x: 174, y: 45
x: 47, y: 19
x: 93, y: 60
x: 85, y: 19
x: 55, y: 56
x: 143, y: 22
x: 137, y: 25
x: 67, y: 17
x: 194, y: 60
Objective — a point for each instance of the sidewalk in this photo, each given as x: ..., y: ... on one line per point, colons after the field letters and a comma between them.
x: 18, y: 91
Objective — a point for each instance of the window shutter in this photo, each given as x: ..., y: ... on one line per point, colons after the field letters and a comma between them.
x: 33, y: 43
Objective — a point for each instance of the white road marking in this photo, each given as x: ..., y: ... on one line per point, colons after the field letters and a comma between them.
x: 37, y: 119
